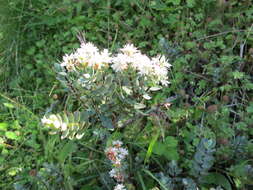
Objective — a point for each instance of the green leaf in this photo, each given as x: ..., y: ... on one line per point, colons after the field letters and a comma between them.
x: 158, y: 6
x: 238, y: 75
x: 13, y: 171
x: 159, y: 148
x: 190, y: 3
x: 40, y: 43
x: 171, y: 154
x: 66, y: 151
x: 250, y: 108
x: 8, y: 105
x: 3, y: 126
x: 155, y: 178
x: 31, y: 51
x: 190, y: 45
x: 145, y: 22
x: 127, y: 90
x: 151, y: 146
x: 11, y: 135
x: 139, y: 106
x: 171, y: 141
x: 106, y: 122
x: 175, y: 2
x: 217, y: 179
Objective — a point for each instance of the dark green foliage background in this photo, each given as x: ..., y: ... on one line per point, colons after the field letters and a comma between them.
x: 210, y: 45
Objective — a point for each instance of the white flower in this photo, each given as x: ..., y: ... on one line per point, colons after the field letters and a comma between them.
x: 119, y: 187
x: 123, y: 152
x: 88, y: 49
x: 105, y: 56
x: 120, y: 62
x: 45, y: 121
x: 64, y: 127
x: 68, y: 62
x: 165, y: 82
x: 86, y: 53
x: 113, y: 173
x: 117, y: 143
x: 160, y: 71
x: 117, y: 162
x: 142, y: 64
x: 95, y: 61
x: 161, y: 61
x: 54, y: 121
x: 129, y: 49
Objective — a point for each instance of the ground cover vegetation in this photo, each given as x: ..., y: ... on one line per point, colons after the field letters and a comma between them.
x: 194, y: 133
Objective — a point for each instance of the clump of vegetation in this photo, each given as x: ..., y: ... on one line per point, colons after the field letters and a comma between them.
x: 205, y: 110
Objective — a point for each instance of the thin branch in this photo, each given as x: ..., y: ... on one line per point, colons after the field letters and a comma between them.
x: 220, y: 34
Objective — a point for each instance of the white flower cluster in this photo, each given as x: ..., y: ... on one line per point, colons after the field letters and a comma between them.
x: 129, y: 57
x: 54, y: 121
x: 87, y: 55
x: 116, y: 154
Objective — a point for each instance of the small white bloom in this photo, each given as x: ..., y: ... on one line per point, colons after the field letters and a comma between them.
x: 64, y: 127
x: 161, y: 61
x: 88, y: 49
x: 120, y: 62
x: 165, y: 82
x: 122, y: 153
x: 113, y: 173
x: 160, y: 71
x: 117, y: 143
x: 142, y: 64
x: 105, y: 56
x: 86, y: 53
x: 119, y: 187
x: 117, y: 162
x: 56, y: 121
x: 69, y: 61
x: 45, y: 121
x: 129, y: 49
